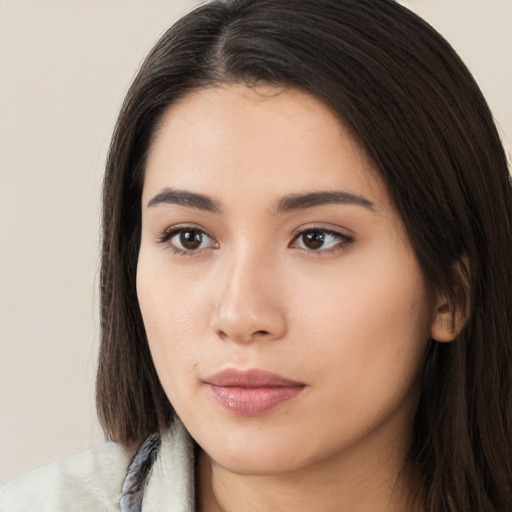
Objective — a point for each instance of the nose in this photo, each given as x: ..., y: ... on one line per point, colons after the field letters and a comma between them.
x: 249, y: 305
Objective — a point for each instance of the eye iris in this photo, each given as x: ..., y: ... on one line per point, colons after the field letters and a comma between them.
x: 191, y: 239
x: 314, y: 239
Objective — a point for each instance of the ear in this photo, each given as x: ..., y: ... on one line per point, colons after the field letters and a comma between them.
x: 448, y: 321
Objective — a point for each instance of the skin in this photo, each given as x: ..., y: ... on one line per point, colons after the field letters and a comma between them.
x: 349, y: 319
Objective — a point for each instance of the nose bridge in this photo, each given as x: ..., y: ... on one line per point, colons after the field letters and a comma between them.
x: 247, y: 305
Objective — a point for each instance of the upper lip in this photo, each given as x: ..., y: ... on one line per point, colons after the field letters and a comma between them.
x: 253, y: 378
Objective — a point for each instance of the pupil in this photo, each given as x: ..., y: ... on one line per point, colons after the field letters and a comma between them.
x: 191, y: 239
x: 314, y: 239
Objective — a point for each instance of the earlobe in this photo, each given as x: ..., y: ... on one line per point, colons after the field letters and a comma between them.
x: 445, y: 326
x: 448, y: 320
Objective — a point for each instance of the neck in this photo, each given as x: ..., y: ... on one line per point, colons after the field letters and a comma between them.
x: 384, y: 483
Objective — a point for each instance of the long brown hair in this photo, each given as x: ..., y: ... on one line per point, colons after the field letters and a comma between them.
x: 421, y: 117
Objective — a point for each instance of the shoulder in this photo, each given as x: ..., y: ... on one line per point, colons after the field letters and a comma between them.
x: 90, y: 480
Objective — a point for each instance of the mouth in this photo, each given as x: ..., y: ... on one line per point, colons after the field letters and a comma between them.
x: 251, y: 392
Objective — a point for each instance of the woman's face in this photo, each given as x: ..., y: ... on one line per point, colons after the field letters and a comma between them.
x: 285, y: 310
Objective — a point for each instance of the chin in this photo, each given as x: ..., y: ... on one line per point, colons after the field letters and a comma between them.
x: 250, y: 458
x: 254, y: 465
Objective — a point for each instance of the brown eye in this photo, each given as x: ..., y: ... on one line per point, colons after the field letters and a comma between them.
x: 191, y: 239
x: 187, y: 240
x: 321, y: 241
x: 313, y: 239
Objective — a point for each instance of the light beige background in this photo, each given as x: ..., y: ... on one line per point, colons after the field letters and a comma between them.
x: 64, y: 68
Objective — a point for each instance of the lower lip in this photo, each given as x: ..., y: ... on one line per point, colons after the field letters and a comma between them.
x: 253, y: 401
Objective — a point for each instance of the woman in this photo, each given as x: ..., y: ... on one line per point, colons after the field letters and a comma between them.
x: 306, y: 286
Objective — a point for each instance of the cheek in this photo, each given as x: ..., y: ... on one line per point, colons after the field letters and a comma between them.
x: 362, y: 296
x: 366, y: 324
x: 174, y: 317
x: 366, y: 342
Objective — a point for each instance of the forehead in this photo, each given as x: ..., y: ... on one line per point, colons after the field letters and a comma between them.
x: 263, y: 139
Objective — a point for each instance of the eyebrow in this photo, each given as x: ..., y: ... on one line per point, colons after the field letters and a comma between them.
x: 185, y: 198
x: 312, y: 199
x: 286, y: 204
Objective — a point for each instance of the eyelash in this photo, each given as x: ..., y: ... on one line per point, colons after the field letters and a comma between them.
x: 344, y: 243
x: 165, y: 238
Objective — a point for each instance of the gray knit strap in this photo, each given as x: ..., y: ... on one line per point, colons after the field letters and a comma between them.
x: 132, y: 492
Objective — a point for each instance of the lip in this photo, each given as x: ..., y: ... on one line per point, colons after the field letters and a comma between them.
x: 251, y: 392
